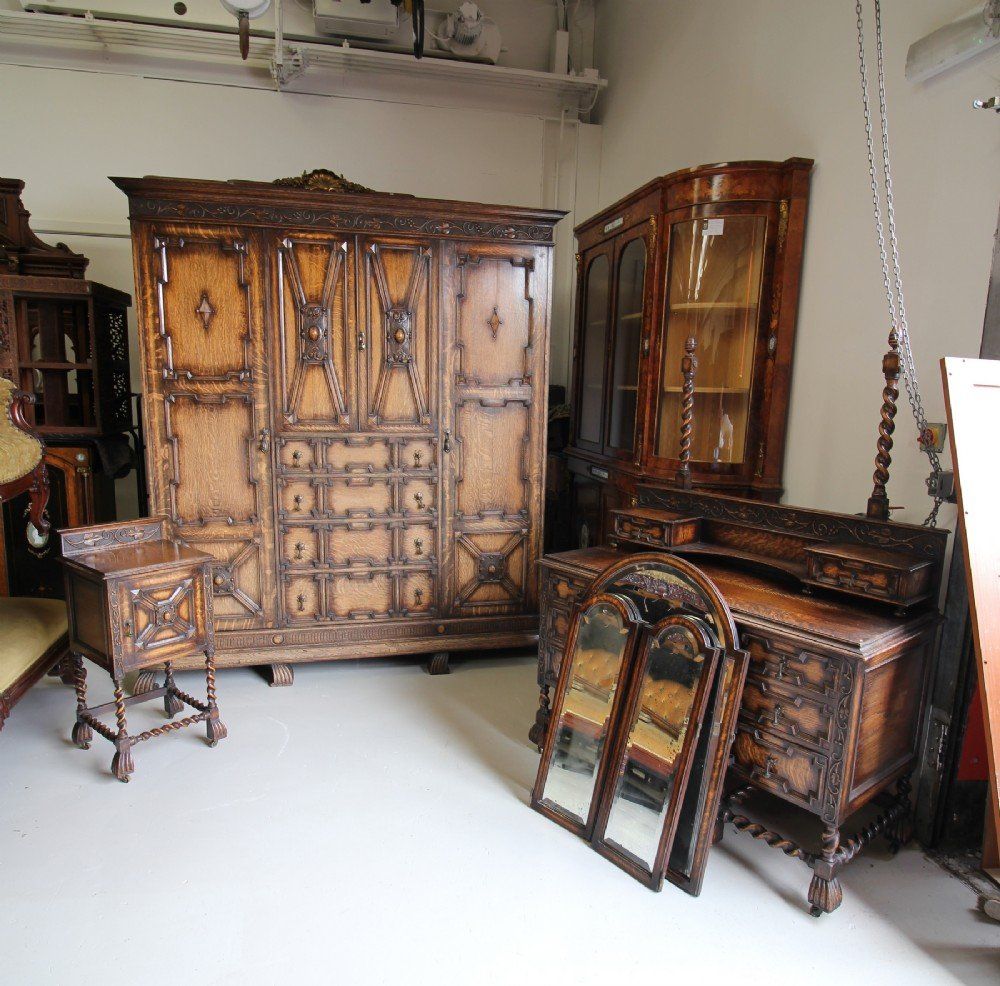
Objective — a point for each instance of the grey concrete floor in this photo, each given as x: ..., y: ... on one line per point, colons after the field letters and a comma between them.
x: 371, y: 824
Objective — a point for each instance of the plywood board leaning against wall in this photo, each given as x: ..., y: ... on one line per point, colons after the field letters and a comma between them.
x: 972, y: 395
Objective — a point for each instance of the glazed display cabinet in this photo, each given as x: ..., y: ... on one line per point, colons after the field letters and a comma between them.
x: 346, y: 407
x: 710, y: 254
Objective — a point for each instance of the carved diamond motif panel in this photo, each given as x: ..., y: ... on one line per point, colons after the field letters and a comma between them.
x: 314, y: 369
x: 400, y: 355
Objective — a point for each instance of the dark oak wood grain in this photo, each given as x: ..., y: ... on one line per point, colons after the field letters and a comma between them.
x: 605, y: 477
x: 346, y: 405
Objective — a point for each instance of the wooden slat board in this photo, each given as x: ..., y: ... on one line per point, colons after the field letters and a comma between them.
x: 972, y: 394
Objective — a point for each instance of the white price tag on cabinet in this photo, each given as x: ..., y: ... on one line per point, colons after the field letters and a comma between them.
x: 713, y: 227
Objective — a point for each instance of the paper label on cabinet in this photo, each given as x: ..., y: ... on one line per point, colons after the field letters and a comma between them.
x: 614, y: 224
x: 713, y: 227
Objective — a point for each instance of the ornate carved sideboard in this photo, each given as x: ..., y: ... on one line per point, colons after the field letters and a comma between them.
x: 345, y: 406
x: 835, y: 694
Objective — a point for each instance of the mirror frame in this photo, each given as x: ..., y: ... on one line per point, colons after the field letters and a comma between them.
x: 632, y: 620
x: 726, y: 701
x: 617, y: 761
x: 729, y: 638
x: 713, y: 693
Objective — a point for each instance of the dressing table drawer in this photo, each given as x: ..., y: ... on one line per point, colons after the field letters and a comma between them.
x: 784, y: 768
x: 654, y: 528
x: 778, y: 660
x: 796, y: 714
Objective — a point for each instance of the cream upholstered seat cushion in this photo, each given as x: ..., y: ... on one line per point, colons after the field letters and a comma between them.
x: 28, y: 628
x: 19, y: 452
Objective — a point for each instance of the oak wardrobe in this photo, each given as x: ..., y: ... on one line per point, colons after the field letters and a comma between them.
x: 345, y: 406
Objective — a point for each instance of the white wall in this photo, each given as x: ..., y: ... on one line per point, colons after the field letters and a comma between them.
x: 718, y: 80
x: 68, y: 130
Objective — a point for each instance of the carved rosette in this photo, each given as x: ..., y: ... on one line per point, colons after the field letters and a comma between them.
x: 398, y: 335
x: 314, y: 332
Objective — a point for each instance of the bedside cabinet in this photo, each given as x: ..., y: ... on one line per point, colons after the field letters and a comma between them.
x: 137, y: 600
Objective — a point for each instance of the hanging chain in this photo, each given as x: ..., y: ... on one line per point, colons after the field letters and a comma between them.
x: 896, y: 317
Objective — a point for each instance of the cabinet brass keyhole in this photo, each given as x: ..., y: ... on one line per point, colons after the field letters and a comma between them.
x: 769, y: 764
x: 416, y: 460
x: 297, y: 500
x: 299, y: 546
x: 301, y: 600
x: 418, y: 596
x: 418, y: 546
x: 419, y: 500
x: 297, y: 457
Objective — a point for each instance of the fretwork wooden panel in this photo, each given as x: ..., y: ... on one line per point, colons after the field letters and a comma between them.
x: 346, y: 399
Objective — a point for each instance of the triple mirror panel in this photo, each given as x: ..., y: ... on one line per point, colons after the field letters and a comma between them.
x: 643, y: 720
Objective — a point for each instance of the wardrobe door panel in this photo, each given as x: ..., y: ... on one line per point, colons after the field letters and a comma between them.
x: 399, y: 326
x: 208, y: 424
x: 213, y: 458
x: 203, y: 305
x: 497, y: 297
x: 313, y: 340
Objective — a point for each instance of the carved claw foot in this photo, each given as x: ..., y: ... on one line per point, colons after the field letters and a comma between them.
x: 145, y: 681
x: 121, y: 762
x: 82, y: 735
x: 439, y: 663
x: 278, y: 675
x: 824, y: 895
x: 172, y: 705
x: 215, y: 728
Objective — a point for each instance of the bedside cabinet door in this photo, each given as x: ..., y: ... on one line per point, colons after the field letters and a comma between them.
x: 158, y: 618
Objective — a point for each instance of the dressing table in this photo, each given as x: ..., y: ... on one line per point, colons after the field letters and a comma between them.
x: 831, y: 713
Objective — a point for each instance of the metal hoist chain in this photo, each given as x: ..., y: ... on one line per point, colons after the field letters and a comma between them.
x: 893, y: 284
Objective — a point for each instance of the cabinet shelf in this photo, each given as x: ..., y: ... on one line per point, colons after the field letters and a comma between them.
x: 708, y: 390
x: 703, y: 306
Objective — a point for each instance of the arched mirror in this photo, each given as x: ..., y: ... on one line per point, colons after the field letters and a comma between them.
x: 595, y: 654
x: 644, y: 718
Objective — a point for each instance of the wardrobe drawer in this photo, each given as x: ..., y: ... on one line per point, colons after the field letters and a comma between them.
x: 418, y: 497
x: 360, y: 595
x: 786, y: 769
x: 417, y: 543
x: 297, y: 456
x: 798, y: 715
x: 358, y: 498
x: 302, y: 598
x: 360, y: 543
x: 298, y: 498
x: 299, y: 546
x: 357, y: 456
x: 417, y: 591
x: 776, y: 659
x: 418, y: 455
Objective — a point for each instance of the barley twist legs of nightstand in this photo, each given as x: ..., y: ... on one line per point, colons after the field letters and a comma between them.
x: 174, y: 701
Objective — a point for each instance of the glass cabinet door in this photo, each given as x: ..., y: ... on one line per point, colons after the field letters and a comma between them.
x: 593, y: 358
x: 713, y: 293
x: 629, y: 295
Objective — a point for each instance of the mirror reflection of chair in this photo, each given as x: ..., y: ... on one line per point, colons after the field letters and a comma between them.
x: 34, y: 630
x: 644, y: 717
